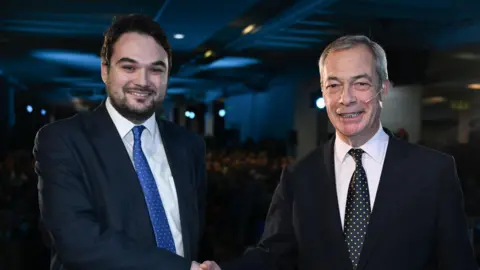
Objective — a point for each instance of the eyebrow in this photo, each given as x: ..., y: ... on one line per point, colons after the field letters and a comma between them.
x: 127, y: 60
x: 361, y: 76
x: 132, y: 61
x: 332, y: 78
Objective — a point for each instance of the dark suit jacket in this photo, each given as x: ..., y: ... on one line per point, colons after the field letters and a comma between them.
x: 92, y: 203
x: 417, y: 221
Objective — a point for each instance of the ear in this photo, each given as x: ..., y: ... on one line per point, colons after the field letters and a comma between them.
x: 104, y: 69
x: 385, y: 88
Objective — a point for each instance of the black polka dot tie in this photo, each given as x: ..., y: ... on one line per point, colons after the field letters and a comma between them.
x: 161, y: 228
x: 357, y: 213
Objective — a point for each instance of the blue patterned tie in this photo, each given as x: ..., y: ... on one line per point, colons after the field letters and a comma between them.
x: 163, y: 235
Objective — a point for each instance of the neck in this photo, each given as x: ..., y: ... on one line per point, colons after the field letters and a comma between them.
x: 135, y: 117
x: 360, y: 139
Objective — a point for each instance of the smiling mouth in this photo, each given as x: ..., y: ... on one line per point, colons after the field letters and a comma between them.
x: 139, y: 93
x: 350, y: 115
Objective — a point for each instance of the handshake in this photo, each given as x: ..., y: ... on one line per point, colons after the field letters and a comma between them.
x: 206, y: 265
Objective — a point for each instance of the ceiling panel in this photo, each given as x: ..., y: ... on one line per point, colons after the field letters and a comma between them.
x: 288, y: 34
x: 199, y: 20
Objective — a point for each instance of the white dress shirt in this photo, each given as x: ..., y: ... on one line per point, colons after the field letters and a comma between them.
x: 152, y: 146
x: 372, y: 161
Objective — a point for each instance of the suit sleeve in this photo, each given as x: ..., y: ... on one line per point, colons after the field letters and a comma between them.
x: 277, y: 249
x: 455, y: 249
x: 68, y: 215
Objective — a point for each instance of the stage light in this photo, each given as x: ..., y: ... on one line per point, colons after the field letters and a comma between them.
x: 320, y: 102
x: 221, y: 113
x: 178, y: 36
x: 190, y: 114
x: 248, y: 29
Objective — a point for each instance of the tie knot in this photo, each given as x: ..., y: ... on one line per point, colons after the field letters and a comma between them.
x: 137, y: 132
x: 356, y: 153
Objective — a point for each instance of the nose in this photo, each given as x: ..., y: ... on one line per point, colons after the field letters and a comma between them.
x: 347, y: 97
x: 142, y: 78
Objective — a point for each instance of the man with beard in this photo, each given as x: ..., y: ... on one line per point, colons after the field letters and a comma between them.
x: 119, y: 187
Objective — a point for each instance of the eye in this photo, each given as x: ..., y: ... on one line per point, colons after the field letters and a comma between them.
x: 362, y: 85
x: 128, y: 68
x: 158, y: 70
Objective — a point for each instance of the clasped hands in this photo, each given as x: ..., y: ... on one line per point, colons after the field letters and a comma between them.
x: 206, y: 265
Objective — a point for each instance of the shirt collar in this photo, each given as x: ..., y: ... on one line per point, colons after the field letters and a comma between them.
x: 375, y: 147
x: 123, y: 125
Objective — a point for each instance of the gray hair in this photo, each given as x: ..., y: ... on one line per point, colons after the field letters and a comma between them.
x: 348, y: 42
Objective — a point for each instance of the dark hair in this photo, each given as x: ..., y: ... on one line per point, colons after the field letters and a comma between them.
x: 135, y: 23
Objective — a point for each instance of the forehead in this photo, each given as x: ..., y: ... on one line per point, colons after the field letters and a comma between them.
x: 350, y: 62
x: 140, y: 47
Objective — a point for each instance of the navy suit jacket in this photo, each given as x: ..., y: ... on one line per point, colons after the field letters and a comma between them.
x: 91, y: 201
x: 417, y: 222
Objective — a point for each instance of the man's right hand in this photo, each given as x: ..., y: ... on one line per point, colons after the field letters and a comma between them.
x: 195, y: 266
x: 209, y: 265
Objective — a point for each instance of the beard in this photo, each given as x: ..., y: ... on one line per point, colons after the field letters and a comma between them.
x: 132, y: 113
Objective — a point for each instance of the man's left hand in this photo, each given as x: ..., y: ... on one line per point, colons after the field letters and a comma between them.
x: 209, y: 265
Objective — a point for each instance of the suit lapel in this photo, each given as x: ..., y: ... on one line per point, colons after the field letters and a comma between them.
x: 390, y: 181
x: 177, y: 160
x: 333, y: 215
x: 117, y: 165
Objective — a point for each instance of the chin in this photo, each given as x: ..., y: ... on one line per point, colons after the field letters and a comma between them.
x: 350, y: 130
x: 145, y: 105
x: 143, y: 110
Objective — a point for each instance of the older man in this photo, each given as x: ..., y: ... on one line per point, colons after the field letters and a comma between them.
x: 364, y: 200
